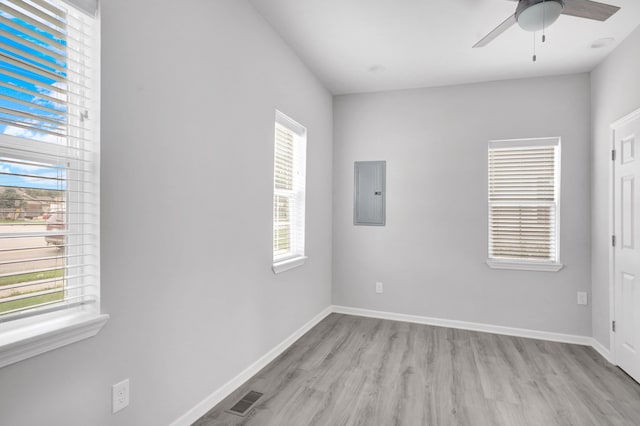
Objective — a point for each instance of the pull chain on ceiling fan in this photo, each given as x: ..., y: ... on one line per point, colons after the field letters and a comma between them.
x: 536, y: 15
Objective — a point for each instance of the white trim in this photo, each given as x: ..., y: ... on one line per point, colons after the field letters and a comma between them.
x: 43, y: 336
x: 553, y: 265
x: 599, y: 347
x: 28, y: 337
x: 612, y: 257
x: 524, y: 266
x: 296, y: 195
x: 288, y: 122
x: 225, y: 390
x: 626, y: 119
x: 524, y: 143
x: 612, y: 228
x: 90, y: 7
x: 464, y: 325
x: 285, y: 265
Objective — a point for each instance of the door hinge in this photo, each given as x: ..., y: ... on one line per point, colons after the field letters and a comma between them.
x: 613, y: 326
x: 613, y: 240
x: 613, y: 155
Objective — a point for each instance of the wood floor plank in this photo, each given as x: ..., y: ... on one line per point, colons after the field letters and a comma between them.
x: 354, y: 371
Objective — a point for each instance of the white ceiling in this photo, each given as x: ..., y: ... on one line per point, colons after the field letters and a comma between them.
x: 424, y: 43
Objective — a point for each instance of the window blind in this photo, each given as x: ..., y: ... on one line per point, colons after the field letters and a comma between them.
x: 88, y: 6
x: 523, y: 200
x: 49, y: 157
x: 289, y: 189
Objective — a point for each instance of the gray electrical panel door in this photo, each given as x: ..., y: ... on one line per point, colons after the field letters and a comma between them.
x: 369, y: 193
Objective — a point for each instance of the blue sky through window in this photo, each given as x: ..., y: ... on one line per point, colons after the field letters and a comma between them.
x: 36, y: 176
x: 33, y: 64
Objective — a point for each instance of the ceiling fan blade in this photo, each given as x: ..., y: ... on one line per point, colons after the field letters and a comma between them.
x: 589, y: 9
x: 508, y: 23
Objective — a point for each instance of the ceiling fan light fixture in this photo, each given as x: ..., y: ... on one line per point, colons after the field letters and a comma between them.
x: 535, y: 15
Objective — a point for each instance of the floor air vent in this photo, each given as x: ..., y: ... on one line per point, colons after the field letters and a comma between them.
x: 242, y: 407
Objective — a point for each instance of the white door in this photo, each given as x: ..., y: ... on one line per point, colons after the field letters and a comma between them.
x: 627, y: 246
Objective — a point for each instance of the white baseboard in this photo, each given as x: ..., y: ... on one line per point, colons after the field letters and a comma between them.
x: 221, y: 393
x: 472, y: 326
x: 599, y: 347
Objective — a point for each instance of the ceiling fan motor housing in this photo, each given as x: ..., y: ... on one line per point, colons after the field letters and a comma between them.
x: 535, y: 15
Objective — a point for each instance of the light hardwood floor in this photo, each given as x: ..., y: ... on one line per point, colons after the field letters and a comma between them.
x: 360, y: 371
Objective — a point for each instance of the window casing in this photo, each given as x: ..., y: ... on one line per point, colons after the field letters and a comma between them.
x: 289, y: 181
x: 524, y: 204
x: 49, y: 177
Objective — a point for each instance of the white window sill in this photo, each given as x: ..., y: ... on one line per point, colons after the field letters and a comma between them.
x: 42, y: 334
x: 285, y: 265
x: 524, y: 266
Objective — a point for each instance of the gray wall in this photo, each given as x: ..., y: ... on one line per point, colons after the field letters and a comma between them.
x: 188, y: 103
x: 615, y: 92
x: 431, y: 254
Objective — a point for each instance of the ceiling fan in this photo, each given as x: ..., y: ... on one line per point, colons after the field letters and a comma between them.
x: 536, y: 15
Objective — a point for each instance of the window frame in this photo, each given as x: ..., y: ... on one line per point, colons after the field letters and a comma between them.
x: 553, y: 265
x: 26, y: 337
x: 296, y: 213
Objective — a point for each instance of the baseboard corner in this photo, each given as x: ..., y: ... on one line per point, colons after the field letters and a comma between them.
x: 601, y: 349
x: 466, y: 325
x: 225, y: 390
x: 221, y: 393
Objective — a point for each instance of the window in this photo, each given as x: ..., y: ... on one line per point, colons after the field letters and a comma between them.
x: 49, y: 171
x: 524, y: 191
x: 290, y: 156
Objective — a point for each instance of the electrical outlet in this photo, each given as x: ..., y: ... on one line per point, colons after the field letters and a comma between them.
x: 120, y: 395
x: 582, y: 298
x: 379, y: 288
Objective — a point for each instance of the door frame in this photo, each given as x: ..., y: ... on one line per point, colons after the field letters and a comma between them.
x: 612, y: 211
